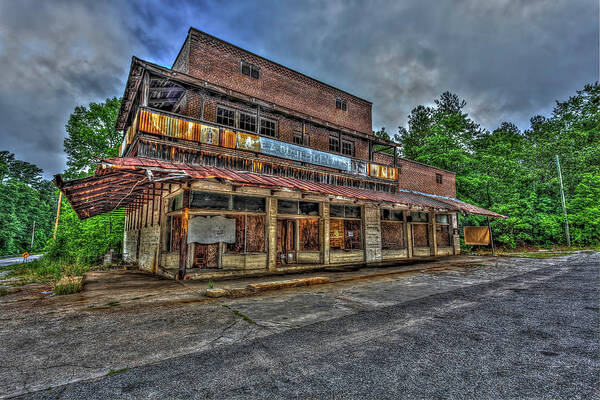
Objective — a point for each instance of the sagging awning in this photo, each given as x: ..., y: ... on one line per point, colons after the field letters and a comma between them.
x: 127, y: 182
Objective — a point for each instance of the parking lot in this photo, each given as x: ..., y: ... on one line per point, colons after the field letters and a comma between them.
x: 508, y: 327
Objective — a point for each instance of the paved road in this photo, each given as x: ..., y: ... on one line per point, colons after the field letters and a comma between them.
x: 529, y: 335
x: 14, y: 260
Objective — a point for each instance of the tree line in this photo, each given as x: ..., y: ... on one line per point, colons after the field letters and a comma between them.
x: 506, y: 170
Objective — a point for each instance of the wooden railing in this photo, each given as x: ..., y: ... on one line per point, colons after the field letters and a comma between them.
x: 169, y: 125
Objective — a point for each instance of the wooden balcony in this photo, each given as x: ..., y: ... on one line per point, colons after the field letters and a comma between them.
x: 164, y: 124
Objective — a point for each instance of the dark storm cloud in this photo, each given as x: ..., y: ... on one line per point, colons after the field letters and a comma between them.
x: 508, y: 59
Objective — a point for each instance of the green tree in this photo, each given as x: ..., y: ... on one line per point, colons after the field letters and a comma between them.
x: 91, y: 133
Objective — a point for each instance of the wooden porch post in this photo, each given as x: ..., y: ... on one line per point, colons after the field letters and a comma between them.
x: 185, y: 215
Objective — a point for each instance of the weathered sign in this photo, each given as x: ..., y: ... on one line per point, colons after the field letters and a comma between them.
x: 247, y: 141
x: 286, y: 150
x: 207, y: 230
x: 479, y: 235
x: 209, y: 134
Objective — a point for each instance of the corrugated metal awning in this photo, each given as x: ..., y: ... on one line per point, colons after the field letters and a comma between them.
x: 125, y: 182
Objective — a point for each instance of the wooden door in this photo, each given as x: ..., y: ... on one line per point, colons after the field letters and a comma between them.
x: 206, y: 255
x: 286, y: 241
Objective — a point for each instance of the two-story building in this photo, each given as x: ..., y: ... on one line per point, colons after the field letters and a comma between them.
x: 232, y: 164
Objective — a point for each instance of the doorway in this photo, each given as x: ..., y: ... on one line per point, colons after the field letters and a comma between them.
x: 206, y: 255
x: 286, y: 241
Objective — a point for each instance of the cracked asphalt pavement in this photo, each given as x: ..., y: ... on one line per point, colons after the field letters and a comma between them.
x: 518, y: 328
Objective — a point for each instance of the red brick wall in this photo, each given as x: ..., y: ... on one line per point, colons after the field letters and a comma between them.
x: 318, y: 136
x: 422, y: 178
x: 218, y: 62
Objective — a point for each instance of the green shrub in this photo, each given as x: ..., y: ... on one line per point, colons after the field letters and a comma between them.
x: 68, y: 285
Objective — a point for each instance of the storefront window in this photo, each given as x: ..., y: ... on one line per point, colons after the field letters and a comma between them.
x: 309, y: 234
x: 345, y: 227
x: 442, y: 230
x: 392, y: 229
x: 249, y: 234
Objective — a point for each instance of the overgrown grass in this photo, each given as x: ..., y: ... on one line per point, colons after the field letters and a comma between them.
x: 45, y: 270
x: 68, y: 285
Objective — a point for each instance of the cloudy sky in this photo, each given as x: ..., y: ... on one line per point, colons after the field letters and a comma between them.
x: 509, y: 59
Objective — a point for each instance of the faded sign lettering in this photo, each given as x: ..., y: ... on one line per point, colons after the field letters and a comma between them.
x: 286, y: 150
x: 207, y: 230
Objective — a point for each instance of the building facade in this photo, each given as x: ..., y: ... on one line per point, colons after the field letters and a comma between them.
x: 232, y: 164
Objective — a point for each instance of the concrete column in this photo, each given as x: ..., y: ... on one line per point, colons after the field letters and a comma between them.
x: 271, y: 222
x: 432, y: 235
x: 409, y: 241
x: 372, y: 221
x: 324, y: 232
x: 183, y: 246
x: 455, y: 238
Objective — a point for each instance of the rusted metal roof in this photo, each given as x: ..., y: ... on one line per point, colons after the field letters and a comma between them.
x: 125, y: 182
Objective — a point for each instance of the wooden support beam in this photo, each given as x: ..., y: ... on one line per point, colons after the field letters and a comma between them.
x: 185, y: 214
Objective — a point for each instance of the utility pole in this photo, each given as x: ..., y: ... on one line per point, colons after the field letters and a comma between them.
x: 564, y: 205
x: 57, y: 214
x: 32, y: 235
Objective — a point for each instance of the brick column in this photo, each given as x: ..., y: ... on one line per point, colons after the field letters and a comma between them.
x: 324, y: 233
x: 372, y: 221
x: 271, y: 223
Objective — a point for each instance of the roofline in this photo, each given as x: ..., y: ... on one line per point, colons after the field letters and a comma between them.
x: 173, y: 76
x: 426, y: 165
x: 192, y: 29
x: 181, y: 48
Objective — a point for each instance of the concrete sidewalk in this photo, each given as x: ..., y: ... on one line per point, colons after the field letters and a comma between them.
x: 330, y: 275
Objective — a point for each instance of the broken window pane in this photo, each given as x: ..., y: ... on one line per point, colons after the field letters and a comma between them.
x: 247, y: 203
x: 217, y: 201
x: 309, y: 208
x: 419, y: 217
x: 336, y: 210
x: 248, y: 122
x: 287, y: 207
x: 225, y: 116
x: 352, y: 212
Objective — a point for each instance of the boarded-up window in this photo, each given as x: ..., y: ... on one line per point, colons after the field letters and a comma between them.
x: 249, y: 234
x: 420, y: 233
x: 238, y: 246
x: 442, y: 230
x: 392, y: 235
x: 352, y: 234
x: 309, y: 234
x: 174, y: 233
x: 255, y: 233
x: 336, y: 234
x: 344, y: 234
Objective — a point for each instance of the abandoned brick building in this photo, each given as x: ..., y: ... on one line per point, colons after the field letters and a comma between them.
x: 232, y: 164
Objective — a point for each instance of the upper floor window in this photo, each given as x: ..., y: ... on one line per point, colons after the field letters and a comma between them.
x: 341, y: 104
x: 438, y: 178
x: 225, y: 116
x: 348, y: 148
x: 248, y: 122
x: 250, y: 70
x: 334, y: 144
x: 298, y: 137
x: 268, y: 127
